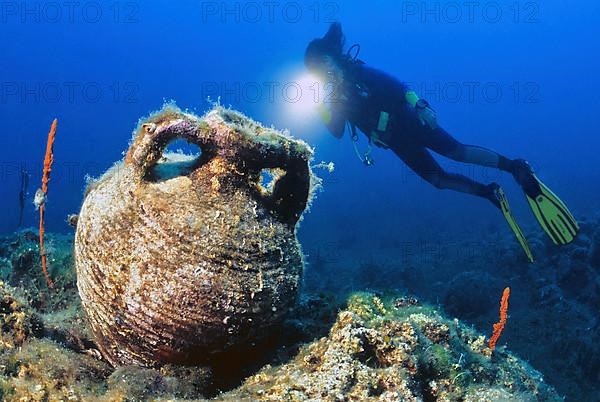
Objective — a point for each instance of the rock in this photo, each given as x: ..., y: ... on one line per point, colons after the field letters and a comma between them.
x: 378, y: 352
x: 142, y: 384
x: 579, y: 254
x: 380, y: 348
x: 594, y: 256
x: 576, y: 279
x: 174, y: 268
x: 21, y: 267
x: 18, y: 322
x: 471, y: 293
x: 42, y: 370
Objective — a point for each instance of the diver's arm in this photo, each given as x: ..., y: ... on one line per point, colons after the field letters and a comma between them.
x: 426, y: 114
x: 412, y: 98
x: 393, y: 92
x: 334, y: 119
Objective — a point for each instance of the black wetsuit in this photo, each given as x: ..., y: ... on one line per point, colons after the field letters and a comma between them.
x: 368, y: 92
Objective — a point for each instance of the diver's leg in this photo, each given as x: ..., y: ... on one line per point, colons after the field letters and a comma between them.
x: 550, y: 211
x: 419, y: 160
x: 443, y: 143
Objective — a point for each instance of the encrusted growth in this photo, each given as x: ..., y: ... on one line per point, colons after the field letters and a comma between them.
x: 381, y: 349
x: 385, y: 347
x: 176, y: 269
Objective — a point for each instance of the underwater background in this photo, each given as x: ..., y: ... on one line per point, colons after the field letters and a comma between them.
x: 518, y: 77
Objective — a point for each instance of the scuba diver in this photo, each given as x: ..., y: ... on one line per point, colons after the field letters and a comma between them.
x: 395, y: 118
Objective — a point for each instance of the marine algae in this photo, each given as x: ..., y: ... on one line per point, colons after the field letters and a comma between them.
x: 403, y: 351
x: 174, y: 270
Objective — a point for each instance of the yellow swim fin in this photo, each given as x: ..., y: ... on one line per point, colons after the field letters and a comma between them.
x: 552, y: 214
x: 505, y: 207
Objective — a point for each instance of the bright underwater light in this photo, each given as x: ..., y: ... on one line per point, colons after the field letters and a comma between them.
x: 303, y: 97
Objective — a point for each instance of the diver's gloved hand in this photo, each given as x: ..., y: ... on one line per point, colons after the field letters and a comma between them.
x: 426, y: 114
x: 325, y: 113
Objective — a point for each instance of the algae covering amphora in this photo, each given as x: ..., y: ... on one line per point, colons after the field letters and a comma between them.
x: 173, y: 268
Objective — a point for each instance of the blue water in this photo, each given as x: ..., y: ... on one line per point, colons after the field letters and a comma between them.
x: 519, y: 77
